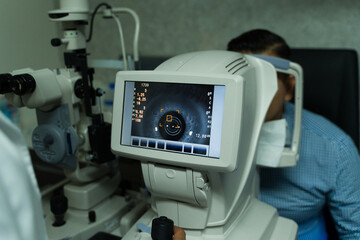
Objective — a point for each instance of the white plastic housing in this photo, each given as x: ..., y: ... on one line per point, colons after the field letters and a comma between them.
x: 71, y: 10
x: 211, y: 198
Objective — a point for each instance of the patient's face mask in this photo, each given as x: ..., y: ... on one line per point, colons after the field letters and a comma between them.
x: 274, y: 135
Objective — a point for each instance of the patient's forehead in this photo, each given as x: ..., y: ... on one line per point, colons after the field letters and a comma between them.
x: 266, y: 53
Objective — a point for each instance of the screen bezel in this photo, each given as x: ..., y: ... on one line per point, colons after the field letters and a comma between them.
x: 230, y: 125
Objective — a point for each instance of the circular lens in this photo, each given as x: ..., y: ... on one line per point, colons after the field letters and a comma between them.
x: 23, y: 84
x: 172, y: 126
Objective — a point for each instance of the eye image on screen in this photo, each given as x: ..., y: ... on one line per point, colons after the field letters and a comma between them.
x: 171, y: 116
x: 172, y: 125
x: 173, y: 112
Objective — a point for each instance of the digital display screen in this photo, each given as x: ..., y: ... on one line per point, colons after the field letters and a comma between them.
x: 182, y: 118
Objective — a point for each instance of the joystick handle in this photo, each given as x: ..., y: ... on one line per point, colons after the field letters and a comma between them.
x: 58, y: 206
x: 162, y: 228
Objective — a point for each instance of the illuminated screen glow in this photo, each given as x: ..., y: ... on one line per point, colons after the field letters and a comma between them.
x: 182, y: 118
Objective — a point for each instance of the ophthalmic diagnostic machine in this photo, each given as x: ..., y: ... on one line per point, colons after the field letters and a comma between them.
x: 194, y: 124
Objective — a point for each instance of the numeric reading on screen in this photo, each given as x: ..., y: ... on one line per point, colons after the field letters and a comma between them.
x: 209, y: 111
x: 139, y: 101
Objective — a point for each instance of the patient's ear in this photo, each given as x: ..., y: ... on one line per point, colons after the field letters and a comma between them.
x: 290, y: 86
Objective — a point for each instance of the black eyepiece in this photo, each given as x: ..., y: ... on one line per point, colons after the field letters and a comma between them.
x: 22, y: 84
x: 5, y: 86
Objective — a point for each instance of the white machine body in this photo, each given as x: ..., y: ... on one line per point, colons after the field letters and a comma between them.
x: 66, y: 144
x: 69, y: 125
x: 71, y: 10
x: 210, y: 192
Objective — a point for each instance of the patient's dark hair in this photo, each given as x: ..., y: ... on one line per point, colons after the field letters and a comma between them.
x: 259, y: 41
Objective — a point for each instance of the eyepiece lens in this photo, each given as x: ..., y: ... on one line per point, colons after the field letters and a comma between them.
x: 5, y: 86
x: 23, y: 84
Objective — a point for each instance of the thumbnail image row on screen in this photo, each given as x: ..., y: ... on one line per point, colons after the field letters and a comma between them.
x: 170, y: 146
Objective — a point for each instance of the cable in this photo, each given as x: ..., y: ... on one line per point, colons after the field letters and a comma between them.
x: 93, y: 18
x: 137, y: 28
x: 121, y: 40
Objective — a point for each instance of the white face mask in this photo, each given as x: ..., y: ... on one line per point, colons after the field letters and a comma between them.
x: 272, y: 140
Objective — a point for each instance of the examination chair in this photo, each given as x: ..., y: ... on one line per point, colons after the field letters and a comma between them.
x: 331, y: 86
x: 331, y: 90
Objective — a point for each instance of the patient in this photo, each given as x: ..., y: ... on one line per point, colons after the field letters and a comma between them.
x: 328, y: 170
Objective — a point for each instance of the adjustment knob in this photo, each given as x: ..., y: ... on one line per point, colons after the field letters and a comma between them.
x: 48, y: 140
x: 92, y: 216
x: 162, y: 228
x: 55, y: 42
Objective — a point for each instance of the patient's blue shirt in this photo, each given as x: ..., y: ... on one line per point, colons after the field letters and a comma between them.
x: 328, y: 172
